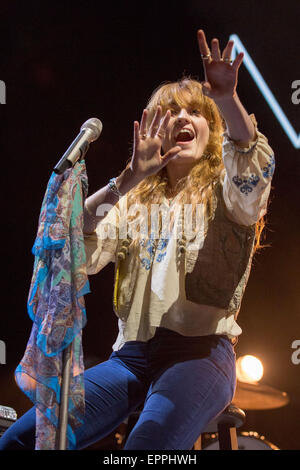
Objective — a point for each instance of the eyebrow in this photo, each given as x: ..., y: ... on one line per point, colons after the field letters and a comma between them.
x: 173, y: 103
x: 191, y: 104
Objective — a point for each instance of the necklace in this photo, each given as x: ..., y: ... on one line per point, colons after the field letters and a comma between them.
x: 171, y: 195
x: 171, y: 199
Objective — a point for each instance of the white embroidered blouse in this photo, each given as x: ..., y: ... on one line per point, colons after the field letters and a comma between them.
x: 158, y: 296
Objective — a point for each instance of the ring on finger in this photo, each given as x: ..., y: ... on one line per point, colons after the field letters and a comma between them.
x: 143, y: 136
x: 227, y: 60
x: 206, y: 56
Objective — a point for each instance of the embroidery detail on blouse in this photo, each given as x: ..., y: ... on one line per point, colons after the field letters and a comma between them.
x: 246, y: 185
x: 151, y: 246
x: 268, y: 170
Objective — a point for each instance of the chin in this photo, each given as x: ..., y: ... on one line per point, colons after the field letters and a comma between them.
x: 184, y: 157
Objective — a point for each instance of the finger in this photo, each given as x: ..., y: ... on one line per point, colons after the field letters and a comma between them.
x: 215, y: 49
x: 238, y: 61
x: 226, y: 55
x: 136, y: 134
x: 172, y: 153
x: 163, y: 125
x: 155, y: 122
x: 203, y: 46
x: 206, y: 88
x: 143, y: 127
x: 204, y: 50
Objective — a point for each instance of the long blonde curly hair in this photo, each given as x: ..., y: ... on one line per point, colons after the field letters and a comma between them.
x: 198, y: 186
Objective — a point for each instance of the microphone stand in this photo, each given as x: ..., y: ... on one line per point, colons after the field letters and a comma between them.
x: 61, y: 441
x: 89, y: 132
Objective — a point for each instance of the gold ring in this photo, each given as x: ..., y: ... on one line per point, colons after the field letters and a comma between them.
x: 206, y: 56
x: 228, y: 60
x: 143, y: 136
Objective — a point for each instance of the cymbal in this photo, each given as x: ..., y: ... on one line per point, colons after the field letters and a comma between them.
x: 256, y: 396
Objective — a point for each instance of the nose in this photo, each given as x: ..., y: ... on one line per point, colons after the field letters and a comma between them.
x: 183, y: 116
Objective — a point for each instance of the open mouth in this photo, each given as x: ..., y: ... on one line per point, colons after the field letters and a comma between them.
x: 184, y: 135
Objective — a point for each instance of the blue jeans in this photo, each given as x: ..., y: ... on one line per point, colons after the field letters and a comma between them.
x: 182, y: 383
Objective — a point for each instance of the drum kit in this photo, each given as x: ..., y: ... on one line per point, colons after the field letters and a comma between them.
x: 251, y: 396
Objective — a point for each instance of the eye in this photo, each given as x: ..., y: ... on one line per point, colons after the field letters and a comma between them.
x: 195, y: 112
x: 173, y: 111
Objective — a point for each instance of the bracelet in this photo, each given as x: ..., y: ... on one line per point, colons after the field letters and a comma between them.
x: 113, y: 187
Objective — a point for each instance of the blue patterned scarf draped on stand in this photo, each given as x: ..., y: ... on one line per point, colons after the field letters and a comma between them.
x: 57, y: 308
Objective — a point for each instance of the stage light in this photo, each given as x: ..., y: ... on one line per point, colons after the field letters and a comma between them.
x: 265, y: 90
x: 249, y: 369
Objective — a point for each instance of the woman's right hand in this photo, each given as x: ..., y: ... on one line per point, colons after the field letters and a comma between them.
x: 147, y: 159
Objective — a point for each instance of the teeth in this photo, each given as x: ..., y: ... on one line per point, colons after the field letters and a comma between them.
x: 187, y: 131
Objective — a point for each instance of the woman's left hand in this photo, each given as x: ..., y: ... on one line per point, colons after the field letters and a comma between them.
x: 220, y: 75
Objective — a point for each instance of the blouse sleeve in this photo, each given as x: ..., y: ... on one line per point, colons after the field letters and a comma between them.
x: 101, y: 245
x: 248, y: 175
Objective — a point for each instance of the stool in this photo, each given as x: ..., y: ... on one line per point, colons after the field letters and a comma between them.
x: 225, y: 425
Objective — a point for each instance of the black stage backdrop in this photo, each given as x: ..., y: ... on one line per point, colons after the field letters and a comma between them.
x: 64, y: 62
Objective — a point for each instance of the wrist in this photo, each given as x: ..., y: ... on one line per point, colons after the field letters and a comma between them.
x: 227, y: 100
x: 127, y: 180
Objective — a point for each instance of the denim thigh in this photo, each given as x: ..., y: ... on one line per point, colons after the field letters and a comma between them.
x: 185, y: 395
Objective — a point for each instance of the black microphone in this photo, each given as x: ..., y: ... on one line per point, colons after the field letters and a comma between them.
x: 89, y: 132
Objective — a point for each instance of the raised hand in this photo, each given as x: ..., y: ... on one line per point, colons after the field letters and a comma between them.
x: 147, y: 158
x: 221, y: 75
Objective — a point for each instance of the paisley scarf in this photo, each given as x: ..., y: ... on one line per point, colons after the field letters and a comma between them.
x: 57, y: 308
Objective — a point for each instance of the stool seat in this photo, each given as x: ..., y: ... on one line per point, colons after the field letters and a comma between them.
x: 225, y: 424
x: 232, y: 416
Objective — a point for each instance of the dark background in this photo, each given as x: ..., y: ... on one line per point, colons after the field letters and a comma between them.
x: 64, y: 62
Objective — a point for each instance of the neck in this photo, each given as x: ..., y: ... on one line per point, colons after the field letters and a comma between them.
x: 176, y: 173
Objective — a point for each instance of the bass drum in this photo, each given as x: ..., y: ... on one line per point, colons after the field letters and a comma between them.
x: 246, y: 441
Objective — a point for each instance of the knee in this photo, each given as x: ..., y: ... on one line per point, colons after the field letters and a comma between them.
x: 21, y: 434
x: 11, y: 441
